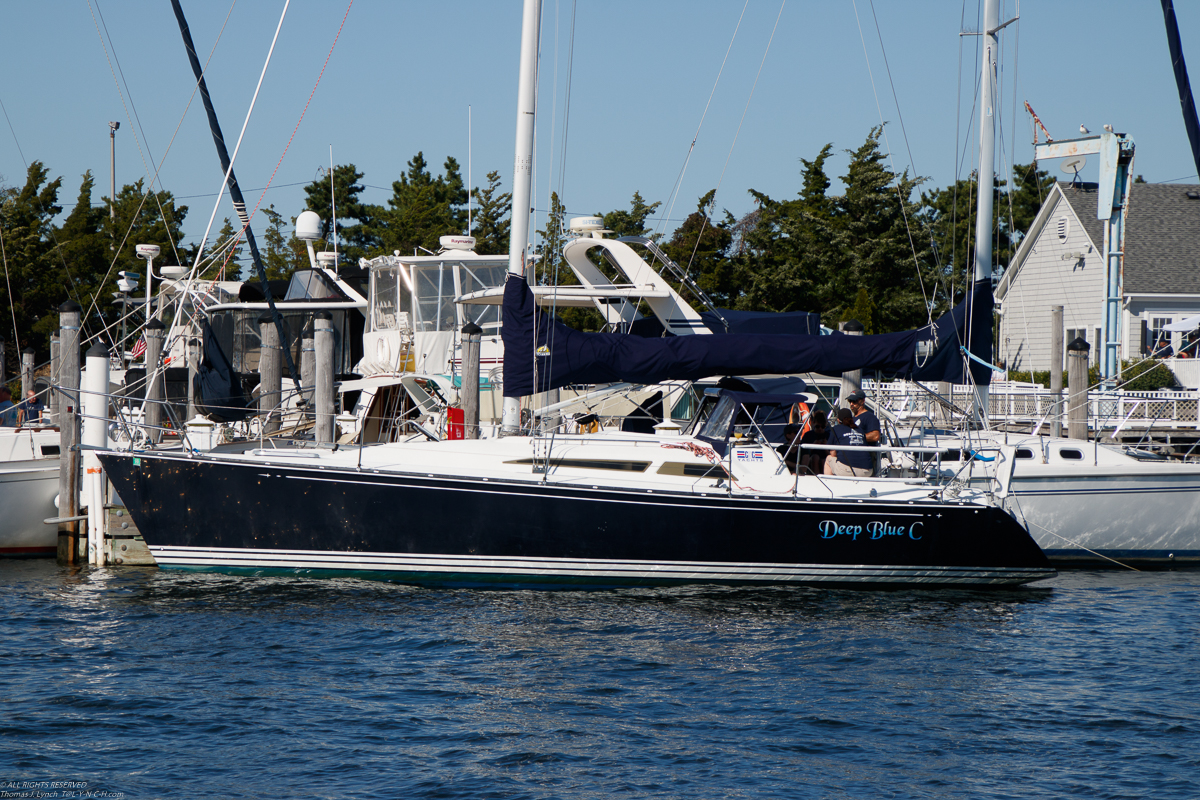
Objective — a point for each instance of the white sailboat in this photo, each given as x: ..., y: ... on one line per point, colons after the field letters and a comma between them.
x: 716, y: 505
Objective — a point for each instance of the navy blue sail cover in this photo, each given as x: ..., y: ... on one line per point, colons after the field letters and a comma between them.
x: 541, y: 353
x: 762, y: 321
x: 969, y: 325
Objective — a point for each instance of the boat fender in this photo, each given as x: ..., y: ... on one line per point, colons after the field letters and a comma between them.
x: 980, y: 457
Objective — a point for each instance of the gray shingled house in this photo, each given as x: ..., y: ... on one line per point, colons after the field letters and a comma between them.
x: 1060, y: 262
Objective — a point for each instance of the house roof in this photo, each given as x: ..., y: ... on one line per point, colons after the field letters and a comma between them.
x: 1162, y: 239
x: 1082, y: 197
x: 1076, y: 200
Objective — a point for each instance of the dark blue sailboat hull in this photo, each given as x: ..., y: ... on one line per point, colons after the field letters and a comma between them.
x: 207, y: 513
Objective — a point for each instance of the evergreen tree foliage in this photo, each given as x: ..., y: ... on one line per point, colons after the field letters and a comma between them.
x: 863, y: 311
x: 882, y: 252
x: 30, y: 292
x: 231, y: 245
x: 871, y: 244
x: 424, y: 208
x: 784, y: 245
x: 633, y: 221
x: 551, y: 269
x: 357, y: 239
x: 282, y: 253
x: 492, y: 220
x: 700, y: 247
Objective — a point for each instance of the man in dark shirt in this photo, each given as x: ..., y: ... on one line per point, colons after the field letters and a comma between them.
x: 849, y: 463
x: 865, y: 422
x: 30, y: 411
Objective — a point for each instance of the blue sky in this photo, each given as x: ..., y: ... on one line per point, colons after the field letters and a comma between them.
x: 404, y: 73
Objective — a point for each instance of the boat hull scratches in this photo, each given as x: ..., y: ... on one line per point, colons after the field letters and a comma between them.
x: 224, y: 515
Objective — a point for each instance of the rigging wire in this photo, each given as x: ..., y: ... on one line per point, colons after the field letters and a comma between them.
x: 137, y: 141
x: 899, y: 194
x: 713, y: 203
x: 12, y: 308
x: 674, y: 194
x: 313, y: 93
x: 178, y: 125
x: 556, y: 257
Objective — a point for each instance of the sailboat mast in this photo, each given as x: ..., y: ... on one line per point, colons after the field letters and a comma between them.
x: 523, y: 169
x: 987, y: 154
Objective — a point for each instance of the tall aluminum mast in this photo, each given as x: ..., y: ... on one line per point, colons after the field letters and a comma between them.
x: 523, y: 172
x: 987, y: 154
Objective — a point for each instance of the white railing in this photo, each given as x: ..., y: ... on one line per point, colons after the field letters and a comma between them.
x: 1028, y: 404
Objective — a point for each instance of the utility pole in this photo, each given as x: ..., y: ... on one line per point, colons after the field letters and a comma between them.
x: 112, y: 170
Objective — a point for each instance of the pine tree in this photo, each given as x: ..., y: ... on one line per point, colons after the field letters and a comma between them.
x: 282, y: 254
x: 423, y: 208
x: 700, y: 246
x: 876, y: 244
x: 863, y: 311
x: 230, y: 245
x: 633, y: 221
x: 784, y: 245
x: 31, y: 283
x: 492, y: 222
x: 358, y: 238
x: 551, y: 270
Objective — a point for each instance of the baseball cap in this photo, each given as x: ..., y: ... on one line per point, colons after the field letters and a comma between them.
x: 856, y: 396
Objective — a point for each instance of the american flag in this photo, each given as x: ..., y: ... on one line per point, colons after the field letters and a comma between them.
x: 139, y: 348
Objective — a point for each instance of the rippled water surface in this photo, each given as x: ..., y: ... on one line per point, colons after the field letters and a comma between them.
x: 159, y: 684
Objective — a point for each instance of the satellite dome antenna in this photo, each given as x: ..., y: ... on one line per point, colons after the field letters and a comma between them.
x: 1074, y: 165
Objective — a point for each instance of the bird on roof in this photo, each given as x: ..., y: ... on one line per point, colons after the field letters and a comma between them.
x: 1108, y: 128
x: 1083, y: 129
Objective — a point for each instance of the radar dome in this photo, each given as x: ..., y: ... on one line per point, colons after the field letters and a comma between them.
x: 457, y: 242
x: 308, y: 226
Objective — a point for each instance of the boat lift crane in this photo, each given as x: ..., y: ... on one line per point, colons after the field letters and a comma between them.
x: 1116, y: 176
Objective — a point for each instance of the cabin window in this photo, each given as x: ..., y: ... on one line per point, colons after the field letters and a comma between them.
x: 1024, y: 452
x: 685, y: 470
x: 591, y: 463
x: 384, y: 298
x: 309, y: 284
x: 1071, y: 454
x: 434, y: 308
x: 475, y: 278
x: 50, y: 450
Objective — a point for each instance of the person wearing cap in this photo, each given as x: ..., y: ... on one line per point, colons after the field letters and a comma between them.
x: 865, y: 421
